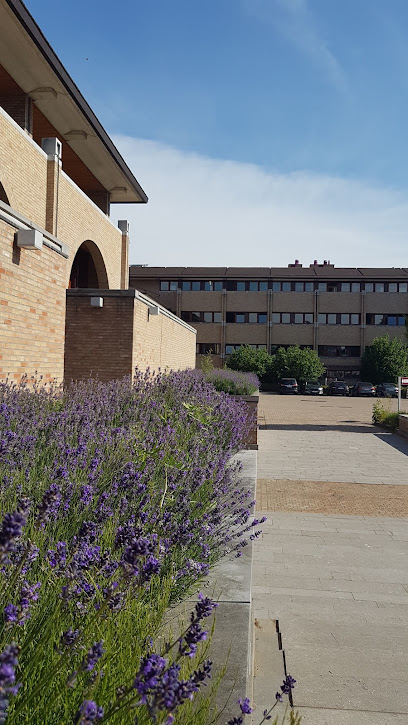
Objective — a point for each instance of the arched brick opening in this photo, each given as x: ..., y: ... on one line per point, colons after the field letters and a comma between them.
x: 88, y: 268
x: 3, y: 195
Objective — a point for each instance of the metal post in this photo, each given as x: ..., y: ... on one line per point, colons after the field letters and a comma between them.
x: 399, y: 393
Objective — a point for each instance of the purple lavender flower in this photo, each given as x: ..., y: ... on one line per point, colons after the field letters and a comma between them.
x: 245, y: 705
x: 88, y: 713
x: 69, y: 637
x: 11, y: 529
x: 94, y: 654
x: 288, y: 685
x: 8, y: 686
x: 49, y: 505
x: 203, y: 608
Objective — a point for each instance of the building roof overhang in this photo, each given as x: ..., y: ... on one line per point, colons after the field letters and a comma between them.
x: 28, y: 57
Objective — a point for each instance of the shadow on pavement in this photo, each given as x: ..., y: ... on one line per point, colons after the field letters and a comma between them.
x: 396, y: 441
x: 356, y: 428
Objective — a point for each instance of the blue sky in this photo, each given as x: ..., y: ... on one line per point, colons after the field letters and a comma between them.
x: 260, y: 129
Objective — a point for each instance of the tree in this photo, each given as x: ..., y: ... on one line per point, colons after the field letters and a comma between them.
x: 384, y: 360
x: 250, y: 360
x: 293, y: 362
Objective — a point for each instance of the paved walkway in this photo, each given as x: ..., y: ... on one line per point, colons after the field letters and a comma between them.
x: 332, y: 564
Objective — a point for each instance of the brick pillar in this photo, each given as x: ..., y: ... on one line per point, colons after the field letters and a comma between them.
x: 123, y: 225
x: 53, y: 149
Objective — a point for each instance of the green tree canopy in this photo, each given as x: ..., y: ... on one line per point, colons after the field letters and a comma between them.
x: 249, y: 360
x: 293, y: 362
x: 384, y: 360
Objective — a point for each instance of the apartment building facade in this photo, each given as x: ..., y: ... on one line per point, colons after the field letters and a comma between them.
x: 335, y: 311
x: 59, y: 174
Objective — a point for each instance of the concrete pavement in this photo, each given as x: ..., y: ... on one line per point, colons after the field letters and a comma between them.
x: 336, y: 583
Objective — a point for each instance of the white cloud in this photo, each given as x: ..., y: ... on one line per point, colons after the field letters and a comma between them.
x: 294, y: 20
x: 204, y: 211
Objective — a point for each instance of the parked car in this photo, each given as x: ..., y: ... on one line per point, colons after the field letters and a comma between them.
x: 312, y: 387
x: 387, y: 390
x: 361, y: 389
x: 288, y: 385
x: 337, y: 387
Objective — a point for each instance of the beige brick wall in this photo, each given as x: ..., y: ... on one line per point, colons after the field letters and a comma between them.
x: 292, y: 335
x: 110, y: 342
x: 160, y: 342
x: 98, y: 340
x: 23, y: 171
x: 292, y: 302
x: 32, y: 309
x: 245, y: 301
x: 79, y: 220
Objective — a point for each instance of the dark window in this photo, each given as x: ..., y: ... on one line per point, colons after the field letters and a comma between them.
x: 217, y: 286
x: 243, y: 317
x: 263, y: 286
x: 286, y: 286
x: 276, y: 286
x: 297, y: 318
x: 203, y: 348
x: 253, y: 287
x: 186, y: 286
x: 385, y: 319
x: 299, y: 287
x: 339, y: 351
x: 333, y: 286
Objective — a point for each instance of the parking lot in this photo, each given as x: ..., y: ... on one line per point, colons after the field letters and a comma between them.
x: 322, y: 410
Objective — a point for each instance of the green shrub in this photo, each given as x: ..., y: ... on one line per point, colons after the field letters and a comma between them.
x: 385, y: 417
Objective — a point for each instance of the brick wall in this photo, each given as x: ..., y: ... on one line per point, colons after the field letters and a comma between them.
x: 23, y: 171
x: 79, y: 220
x: 98, y: 340
x: 161, y: 342
x: 32, y: 309
x: 109, y: 342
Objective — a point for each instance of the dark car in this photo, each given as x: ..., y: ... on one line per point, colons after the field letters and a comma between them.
x: 312, y: 387
x: 361, y: 389
x: 387, y: 390
x: 288, y: 385
x: 337, y: 387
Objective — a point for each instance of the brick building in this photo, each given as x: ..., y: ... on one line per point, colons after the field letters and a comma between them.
x: 59, y: 175
x: 334, y: 311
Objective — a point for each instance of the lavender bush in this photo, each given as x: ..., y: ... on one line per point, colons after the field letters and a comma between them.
x: 115, y: 499
x: 233, y: 382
